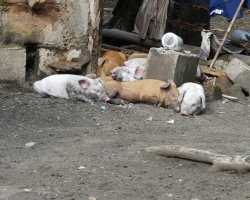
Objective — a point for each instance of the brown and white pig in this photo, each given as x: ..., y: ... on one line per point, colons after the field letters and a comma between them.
x: 71, y: 87
x: 109, y: 61
x: 145, y: 91
x: 138, y: 55
x: 133, y: 70
x: 192, y: 98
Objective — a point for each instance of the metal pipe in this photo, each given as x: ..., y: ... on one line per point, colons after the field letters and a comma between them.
x: 135, y: 39
x: 129, y: 37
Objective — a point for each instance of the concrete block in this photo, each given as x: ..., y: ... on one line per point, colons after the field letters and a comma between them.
x: 239, y: 72
x: 12, y: 64
x: 165, y: 64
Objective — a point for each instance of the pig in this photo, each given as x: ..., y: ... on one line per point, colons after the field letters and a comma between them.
x: 145, y: 91
x: 71, y: 87
x: 137, y: 55
x: 127, y: 74
x: 192, y: 99
x: 133, y: 70
x: 109, y: 61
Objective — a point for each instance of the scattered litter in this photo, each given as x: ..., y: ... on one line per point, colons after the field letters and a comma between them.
x: 36, y: 131
x: 92, y: 198
x: 27, y: 189
x: 180, y: 180
x: 81, y: 167
x: 187, y: 52
x: 220, y: 112
x: 229, y: 97
x: 30, y: 144
x: 170, y: 195
x: 103, y: 108
x: 58, y: 118
x: 171, y: 121
x: 225, y: 101
x: 150, y: 119
x: 214, y: 81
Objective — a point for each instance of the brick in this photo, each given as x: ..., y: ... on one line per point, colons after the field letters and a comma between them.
x: 12, y: 64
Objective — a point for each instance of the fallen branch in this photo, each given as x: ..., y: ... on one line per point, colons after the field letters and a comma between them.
x: 220, y: 162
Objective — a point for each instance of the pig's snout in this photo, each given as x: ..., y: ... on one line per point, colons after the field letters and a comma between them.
x: 113, y: 73
x: 105, y: 98
x: 184, y: 113
x: 175, y: 107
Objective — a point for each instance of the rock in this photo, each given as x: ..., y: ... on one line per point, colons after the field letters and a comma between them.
x: 244, y: 58
x: 224, y: 83
x: 219, y: 64
x: 236, y: 91
x: 165, y: 64
x: 239, y: 72
x: 212, y: 92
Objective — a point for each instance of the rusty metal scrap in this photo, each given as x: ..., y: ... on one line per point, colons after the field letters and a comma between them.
x: 187, y: 26
x: 240, y: 43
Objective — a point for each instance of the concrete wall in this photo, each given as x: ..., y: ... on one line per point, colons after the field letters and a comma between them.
x: 62, y: 31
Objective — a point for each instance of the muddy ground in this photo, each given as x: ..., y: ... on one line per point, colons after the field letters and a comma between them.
x: 81, y: 152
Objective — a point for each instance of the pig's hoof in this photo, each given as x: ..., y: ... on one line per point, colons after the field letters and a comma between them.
x: 123, y: 102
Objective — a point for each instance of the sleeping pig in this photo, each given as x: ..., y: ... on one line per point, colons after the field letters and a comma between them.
x: 109, y: 61
x: 133, y: 70
x: 71, y: 87
x: 192, y: 98
x: 145, y: 91
x: 127, y: 74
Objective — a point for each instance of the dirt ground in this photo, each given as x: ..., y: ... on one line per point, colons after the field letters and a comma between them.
x: 81, y: 152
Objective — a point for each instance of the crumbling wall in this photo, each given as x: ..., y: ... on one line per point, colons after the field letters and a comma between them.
x: 64, y: 35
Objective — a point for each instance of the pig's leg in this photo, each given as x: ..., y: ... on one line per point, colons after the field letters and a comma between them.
x: 41, y: 95
x: 151, y: 100
x: 117, y: 101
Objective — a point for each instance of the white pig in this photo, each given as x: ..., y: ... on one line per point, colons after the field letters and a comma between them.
x: 192, y: 98
x: 133, y: 70
x: 71, y: 87
x: 127, y: 74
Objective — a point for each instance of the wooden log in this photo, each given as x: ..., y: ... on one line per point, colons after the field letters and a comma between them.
x: 236, y: 163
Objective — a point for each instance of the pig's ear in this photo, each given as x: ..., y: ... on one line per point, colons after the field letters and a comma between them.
x: 172, y: 82
x: 84, y: 83
x: 180, y: 97
x: 139, y: 73
x: 165, y: 86
x: 203, y: 101
x: 101, y: 61
x: 102, y: 83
